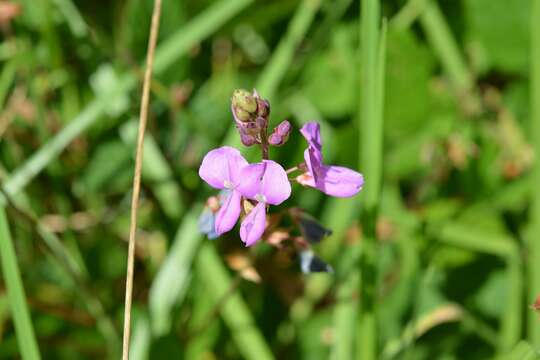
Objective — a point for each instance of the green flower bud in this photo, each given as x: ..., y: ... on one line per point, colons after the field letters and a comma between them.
x: 243, y: 100
x: 242, y: 115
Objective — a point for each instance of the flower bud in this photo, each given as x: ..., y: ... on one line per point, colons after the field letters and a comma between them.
x: 280, y: 135
x: 261, y: 122
x: 284, y: 128
x: 243, y: 100
x: 251, y: 128
x: 242, y: 115
x: 263, y: 108
x: 250, y: 114
x: 275, y: 139
x: 247, y: 139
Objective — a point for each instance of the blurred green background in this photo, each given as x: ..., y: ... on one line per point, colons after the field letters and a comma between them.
x: 457, y: 226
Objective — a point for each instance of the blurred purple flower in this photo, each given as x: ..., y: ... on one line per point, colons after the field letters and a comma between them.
x: 332, y: 180
x: 221, y: 169
x: 267, y: 183
x: 207, y: 219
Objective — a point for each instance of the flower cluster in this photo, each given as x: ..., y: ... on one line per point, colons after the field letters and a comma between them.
x: 264, y: 183
x: 248, y: 190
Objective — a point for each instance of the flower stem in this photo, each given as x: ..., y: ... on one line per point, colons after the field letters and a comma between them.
x: 291, y: 170
x: 137, y: 176
x: 264, y: 144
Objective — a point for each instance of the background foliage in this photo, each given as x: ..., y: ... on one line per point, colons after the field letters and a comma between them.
x: 456, y: 226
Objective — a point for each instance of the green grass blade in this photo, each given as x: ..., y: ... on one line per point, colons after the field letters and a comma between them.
x: 345, y: 314
x: 445, y: 46
x: 461, y: 235
x: 408, y: 14
x: 533, y: 243
x: 522, y: 351
x: 371, y: 155
x: 370, y: 119
x: 76, y: 273
x: 202, y: 306
x: 511, y: 319
x: 282, y: 57
x: 172, y: 49
x: 6, y: 79
x: 156, y: 172
x: 234, y: 310
x: 40, y: 159
x: 140, y: 346
x: 73, y: 17
x: 169, y: 285
x: 196, y: 30
x: 15, y: 290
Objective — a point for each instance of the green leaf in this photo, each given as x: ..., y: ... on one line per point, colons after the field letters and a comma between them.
x: 15, y: 292
x: 493, y: 294
x: 407, y: 99
x: 502, y: 28
x: 522, y: 351
x: 327, y: 80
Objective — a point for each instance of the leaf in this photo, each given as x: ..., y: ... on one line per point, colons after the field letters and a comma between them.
x: 493, y: 295
x: 103, y: 82
x: 523, y: 351
x: 108, y: 168
x: 408, y: 71
x: 502, y: 29
x: 327, y: 80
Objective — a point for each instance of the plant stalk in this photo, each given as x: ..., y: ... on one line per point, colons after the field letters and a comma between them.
x: 143, y: 117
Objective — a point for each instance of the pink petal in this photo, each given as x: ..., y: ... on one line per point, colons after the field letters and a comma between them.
x: 340, y: 181
x: 268, y: 179
x: 275, y: 183
x: 312, y: 132
x: 228, y: 213
x: 306, y: 179
x: 220, y: 165
x: 252, y: 227
x: 249, y: 183
x: 313, y: 158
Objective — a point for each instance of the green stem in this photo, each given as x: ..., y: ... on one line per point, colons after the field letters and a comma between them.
x: 15, y: 291
x: 371, y: 134
x: 511, y: 319
x: 533, y: 241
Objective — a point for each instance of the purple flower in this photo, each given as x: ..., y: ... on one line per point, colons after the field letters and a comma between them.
x: 267, y: 183
x: 221, y: 169
x: 332, y: 180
